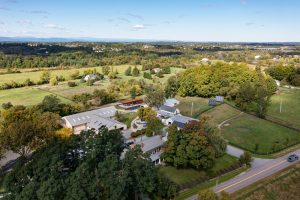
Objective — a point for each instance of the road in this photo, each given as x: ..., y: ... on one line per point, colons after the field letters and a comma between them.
x: 253, y: 175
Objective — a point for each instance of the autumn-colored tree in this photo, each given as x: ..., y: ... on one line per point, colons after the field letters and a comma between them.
x: 146, y: 113
x: 23, y: 130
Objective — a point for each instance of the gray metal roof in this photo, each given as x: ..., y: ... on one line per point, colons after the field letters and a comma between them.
x: 151, y: 143
x: 167, y: 109
x: 182, y: 119
x: 101, y: 121
x: 89, y: 116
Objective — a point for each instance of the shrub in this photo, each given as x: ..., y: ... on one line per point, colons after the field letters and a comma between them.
x: 72, y: 84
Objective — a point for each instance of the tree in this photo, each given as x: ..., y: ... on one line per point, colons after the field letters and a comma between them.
x: 87, y: 166
x: 155, y: 97
x: 45, y: 77
x: 147, y: 75
x: 64, y: 133
x: 23, y: 130
x: 75, y: 75
x: 50, y: 103
x: 166, y: 70
x: 246, y: 158
x: 133, y: 92
x: 146, y: 113
x: 7, y: 105
x: 154, y: 125
x: 105, y: 70
x: 189, y: 147
x: 135, y: 71
x: 171, y: 87
x: 128, y: 71
x: 53, y: 81
x: 207, y: 194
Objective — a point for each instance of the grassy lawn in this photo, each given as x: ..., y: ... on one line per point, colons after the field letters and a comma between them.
x: 25, y: 96
x: 192, y: 191
x: 221, y: 113
x: 246, y: 131
x: 181, y: 176
x: 290, y: 109
x: 283, y: 185
x: 127, y: 118
x: 35, y: 94
x: 185, y: 106
x: 223, y: 162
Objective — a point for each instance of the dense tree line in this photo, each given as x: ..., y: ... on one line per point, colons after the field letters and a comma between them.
x: 193, y: 146
x: 288, y: 74
x: 87, y: 166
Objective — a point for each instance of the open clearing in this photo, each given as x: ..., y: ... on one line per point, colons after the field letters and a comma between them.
x: 250, y: 132
x: 290, y: 109
x: 192, y: 106
x: 181, y: 176
x: 25, y: 96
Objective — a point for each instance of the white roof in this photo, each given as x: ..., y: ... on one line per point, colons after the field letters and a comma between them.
x: 171, y: 102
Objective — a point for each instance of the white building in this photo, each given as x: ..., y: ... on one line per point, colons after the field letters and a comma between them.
x: 179, y: 121
x: 93, y: 119
x: 90, y: 77
x: 165, y: 112
x: 205, y: 60
x: 171, y: 102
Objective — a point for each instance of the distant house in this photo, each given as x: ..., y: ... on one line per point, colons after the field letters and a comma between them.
x: 171, y: 102
x: 277, y: 83
x: 219, y: 98
x: 212, y: 102
x: 93, y: 119
x: 153, y: 146
x: 131, y: 104
x: 179, y: 121
x: 157, y: 70
x: 90, y: 77
x: 167, y: 111
x: 205, y: 60
x: 257, y: 57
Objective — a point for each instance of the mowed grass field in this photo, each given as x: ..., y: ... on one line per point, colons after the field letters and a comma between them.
x: 181, y: 176
x: 192, y: 106
x: 35, y: 94
x: 247, y: 131
x: 221, y: 113
x: 290, y: 107
x: 25, y: 96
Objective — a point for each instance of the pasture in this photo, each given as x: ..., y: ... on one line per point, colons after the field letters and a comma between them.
x: 290, y: 107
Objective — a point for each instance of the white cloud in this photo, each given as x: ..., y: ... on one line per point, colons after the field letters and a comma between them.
x: 53, y: 26
x: 138, y: 26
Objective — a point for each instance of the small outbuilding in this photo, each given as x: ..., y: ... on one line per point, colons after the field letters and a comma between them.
x: 89, y: 77
x: 212, y: 102
x: 219, y: 98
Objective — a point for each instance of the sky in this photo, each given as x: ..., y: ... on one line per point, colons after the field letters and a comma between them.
x: 182, y: 20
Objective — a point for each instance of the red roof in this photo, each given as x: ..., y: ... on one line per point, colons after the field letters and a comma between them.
x: 131, y: 101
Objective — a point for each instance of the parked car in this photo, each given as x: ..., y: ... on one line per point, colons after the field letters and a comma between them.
x: 292, y: 158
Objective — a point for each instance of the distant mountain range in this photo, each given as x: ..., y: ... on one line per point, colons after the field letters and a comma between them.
x: 88, y: 39
x: 58, y: 39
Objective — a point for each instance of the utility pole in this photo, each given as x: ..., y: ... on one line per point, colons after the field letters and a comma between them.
x: 280, y: 106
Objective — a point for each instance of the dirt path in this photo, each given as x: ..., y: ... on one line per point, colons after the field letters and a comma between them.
x: 227, y: 120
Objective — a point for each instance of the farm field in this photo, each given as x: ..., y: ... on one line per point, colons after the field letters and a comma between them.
x: 185, y: 106
x: 290, y: 109
x: 258, y: 135
x: 25, y: 96
x: 284, y: 185
x: 35, y: 94
x: 181, y: 176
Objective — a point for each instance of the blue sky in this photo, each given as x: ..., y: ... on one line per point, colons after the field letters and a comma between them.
x: 187, y: 20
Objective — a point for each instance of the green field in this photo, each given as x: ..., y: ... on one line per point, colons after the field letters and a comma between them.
x: 186, y: 108
x: 290, y: 109
x: 35, y: 94
x: 181, y: 176
x: 221, y: 113
x: 246, y: 131
x: 25, y: 96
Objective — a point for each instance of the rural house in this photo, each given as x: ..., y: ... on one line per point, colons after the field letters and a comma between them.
x: 179, y: 121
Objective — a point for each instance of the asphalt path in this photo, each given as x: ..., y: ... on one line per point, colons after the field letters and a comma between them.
x: 253, y: 175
